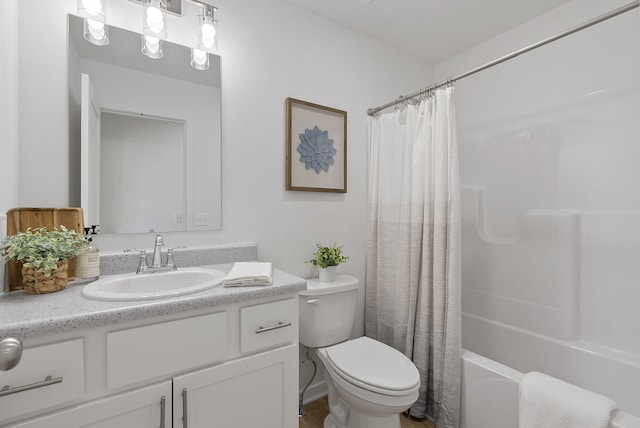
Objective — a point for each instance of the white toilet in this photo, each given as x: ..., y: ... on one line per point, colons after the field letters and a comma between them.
x: 369, y: 383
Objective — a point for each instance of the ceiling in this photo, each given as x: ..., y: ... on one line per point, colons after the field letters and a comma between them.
x: 430, y: 29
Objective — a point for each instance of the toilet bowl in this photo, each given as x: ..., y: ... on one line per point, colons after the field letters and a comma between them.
x: 369, y: 383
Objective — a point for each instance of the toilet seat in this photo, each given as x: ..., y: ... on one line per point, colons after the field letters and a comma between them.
x: 373, y: 366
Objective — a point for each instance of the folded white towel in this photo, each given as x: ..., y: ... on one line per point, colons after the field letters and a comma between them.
x: 547, y: 402
x: 248, y: 273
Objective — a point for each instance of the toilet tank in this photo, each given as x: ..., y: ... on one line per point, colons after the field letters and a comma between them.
x: 327, y: 311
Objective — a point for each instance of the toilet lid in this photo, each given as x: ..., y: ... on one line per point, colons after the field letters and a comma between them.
x: 373, y: 363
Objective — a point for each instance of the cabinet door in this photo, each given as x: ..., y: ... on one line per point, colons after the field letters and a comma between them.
x: 148, y: 407
x: 256, y: 391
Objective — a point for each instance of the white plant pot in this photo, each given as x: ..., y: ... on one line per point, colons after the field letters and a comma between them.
x: 327, y: 274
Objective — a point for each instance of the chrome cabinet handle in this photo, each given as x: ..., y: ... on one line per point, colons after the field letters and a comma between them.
x: 185, y: 423
x: 6, y: 390
x: 273, y: 327
x: 163, y: 402
x: 10, y: 353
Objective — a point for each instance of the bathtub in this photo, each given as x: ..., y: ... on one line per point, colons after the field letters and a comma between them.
x: 490, y: 396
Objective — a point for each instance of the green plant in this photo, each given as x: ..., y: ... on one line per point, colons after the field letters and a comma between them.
x: 327, y: 256
x: 42, y: 249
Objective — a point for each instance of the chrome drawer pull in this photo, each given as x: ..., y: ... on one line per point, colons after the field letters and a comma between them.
x: 185, y: 423
x: 47, y: 381
x: 163, y: 401
x: 273, y: 327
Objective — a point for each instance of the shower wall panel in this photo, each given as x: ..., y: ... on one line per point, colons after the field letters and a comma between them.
x: 549, y: 152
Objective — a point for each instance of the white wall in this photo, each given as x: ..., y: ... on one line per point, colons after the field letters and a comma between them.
x: 270, y: 50
x: 553, y: 135
x: 8, y: 105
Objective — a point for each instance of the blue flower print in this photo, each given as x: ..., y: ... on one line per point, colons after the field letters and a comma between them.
x: 316, y: 149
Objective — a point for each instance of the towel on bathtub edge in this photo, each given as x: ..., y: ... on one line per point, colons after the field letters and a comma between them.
x: 547, y: 402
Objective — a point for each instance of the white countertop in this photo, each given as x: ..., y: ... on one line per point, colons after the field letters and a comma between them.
x: 23, y: 315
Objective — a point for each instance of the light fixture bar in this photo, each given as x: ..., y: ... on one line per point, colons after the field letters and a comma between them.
x: 174, y: 7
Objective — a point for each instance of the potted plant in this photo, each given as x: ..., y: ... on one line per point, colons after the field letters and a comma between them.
x: 326, y: 259
x: 44, y: 255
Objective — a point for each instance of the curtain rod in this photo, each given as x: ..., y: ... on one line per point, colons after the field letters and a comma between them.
x: 594, y: 21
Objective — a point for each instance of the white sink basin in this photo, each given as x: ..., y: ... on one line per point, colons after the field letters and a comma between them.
x: 160, y: 285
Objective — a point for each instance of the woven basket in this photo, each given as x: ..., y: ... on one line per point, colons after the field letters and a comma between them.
x: 38, y: 283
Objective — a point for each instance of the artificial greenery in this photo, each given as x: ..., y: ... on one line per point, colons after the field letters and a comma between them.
x: 42, y: 249
x: 328, y: 256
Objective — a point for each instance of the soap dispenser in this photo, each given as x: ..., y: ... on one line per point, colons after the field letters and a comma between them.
x: 88, y: 262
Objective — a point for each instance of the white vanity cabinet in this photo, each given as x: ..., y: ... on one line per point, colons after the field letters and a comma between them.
x: 256, y: 391
x: 47, y: 375
x: 232, y: 366
x: 148, y: 407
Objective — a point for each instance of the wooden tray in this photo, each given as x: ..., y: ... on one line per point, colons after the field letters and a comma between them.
x: 20, y: 219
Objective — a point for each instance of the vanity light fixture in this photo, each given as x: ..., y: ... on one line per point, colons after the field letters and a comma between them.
x: 94, y: 13
x: 152, y: 47
x: 199, y: 59
x: 154, y: 26
x: 208, y: 29
x: 96, y: 32
x: 154, y: 18
x: 93, y: 9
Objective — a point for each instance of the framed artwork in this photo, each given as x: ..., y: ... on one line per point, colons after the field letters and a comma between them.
x: 316, y: 147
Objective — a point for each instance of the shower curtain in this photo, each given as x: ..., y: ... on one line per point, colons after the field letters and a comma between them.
x: 414, y: 249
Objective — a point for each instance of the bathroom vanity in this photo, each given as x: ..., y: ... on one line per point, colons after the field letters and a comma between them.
x: 223, y: 357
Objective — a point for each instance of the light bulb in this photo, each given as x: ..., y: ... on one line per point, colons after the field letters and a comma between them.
x: 208, y: 35
x: 93, y: 7
x: 199, y: 56
x: 152, y: 43
x: 96, y: 29
x: 199, y: 59
x: 154, y: 18
x: 96, y: 32
x: 208, y: 30
x: 152, y: 47
x: 155, y: 21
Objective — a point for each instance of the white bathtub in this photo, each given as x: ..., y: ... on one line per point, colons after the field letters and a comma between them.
x: 490, y: 396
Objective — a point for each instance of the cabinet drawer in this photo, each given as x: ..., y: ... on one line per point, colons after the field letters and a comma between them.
x: 140, y: 408
x: 268, y: 324
x: 145, y: 353
x: 54, y: 374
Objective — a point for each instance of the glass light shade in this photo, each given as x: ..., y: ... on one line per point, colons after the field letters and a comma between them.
x: 208, y: 34
x: 152, y: 47
x: 93, y: 9
x: 199, y: 59
x: 96, y: 32
x: 154, y: 18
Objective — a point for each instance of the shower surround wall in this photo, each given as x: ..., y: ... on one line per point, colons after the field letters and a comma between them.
x: 549, y: 152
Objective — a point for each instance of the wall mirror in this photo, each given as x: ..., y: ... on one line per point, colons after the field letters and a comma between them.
x: 148, y: 135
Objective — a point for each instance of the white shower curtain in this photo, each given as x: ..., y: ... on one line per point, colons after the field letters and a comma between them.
x: 414, y: 248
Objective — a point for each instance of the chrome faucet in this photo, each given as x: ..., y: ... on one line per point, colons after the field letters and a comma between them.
x: 157, y: 252
x: 156, y: 264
